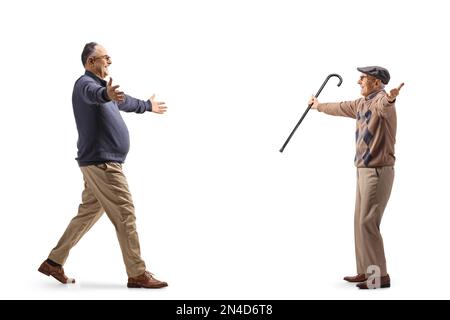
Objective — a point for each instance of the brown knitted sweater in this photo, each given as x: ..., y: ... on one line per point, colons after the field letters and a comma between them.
x: 376, y: 126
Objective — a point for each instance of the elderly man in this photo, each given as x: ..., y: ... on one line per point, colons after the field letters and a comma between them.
x: 103, y: 143
x: 376, y: 125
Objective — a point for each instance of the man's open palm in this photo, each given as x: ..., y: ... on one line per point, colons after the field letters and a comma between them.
x: 158, y: 106
x: 394, y: 93
x: 113, y: 93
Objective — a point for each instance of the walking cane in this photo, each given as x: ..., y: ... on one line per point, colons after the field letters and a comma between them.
x: 309, y: 107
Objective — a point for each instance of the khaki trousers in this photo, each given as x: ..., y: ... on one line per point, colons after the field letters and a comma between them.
x: 373, y: 189
x: 105, y: 190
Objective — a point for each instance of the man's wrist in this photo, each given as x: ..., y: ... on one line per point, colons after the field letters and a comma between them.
x: 149, y: 107
x: 106, y: 96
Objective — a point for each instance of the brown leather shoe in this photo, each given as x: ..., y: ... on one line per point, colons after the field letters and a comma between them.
x: 358, y: 278
x: 145, y: 280
x: 385, y: 282
x: 55, y: 271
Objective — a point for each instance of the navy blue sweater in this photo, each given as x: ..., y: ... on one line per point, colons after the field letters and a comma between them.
x: 102, y: 133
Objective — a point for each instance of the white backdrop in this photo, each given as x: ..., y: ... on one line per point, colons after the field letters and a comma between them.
x: 221, y: 214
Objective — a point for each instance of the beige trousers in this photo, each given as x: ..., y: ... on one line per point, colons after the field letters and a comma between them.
x: 105, y: 190
x: 373, y: 189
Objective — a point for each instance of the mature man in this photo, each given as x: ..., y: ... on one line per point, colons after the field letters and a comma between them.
x: 103, y: 143
x: 376, y: 125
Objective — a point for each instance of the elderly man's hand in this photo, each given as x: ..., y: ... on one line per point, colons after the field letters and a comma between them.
x: 392, y: 95
x: 313, y: 102
x: 158, y: 106
x: 113, y: 93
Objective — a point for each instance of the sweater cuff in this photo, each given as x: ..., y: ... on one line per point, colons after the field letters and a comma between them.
x: 388, y: 103
x: 105, y: 95
x: 148, y: 106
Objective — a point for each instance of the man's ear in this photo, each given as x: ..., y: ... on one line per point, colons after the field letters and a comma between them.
x: 378, y: 83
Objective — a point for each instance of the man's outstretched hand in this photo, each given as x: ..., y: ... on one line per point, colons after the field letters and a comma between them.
x: 113, y: 93
x: 392, y: 95
x: 158, y: 106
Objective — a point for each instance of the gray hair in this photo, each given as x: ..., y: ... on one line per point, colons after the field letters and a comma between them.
x: 88, y: 50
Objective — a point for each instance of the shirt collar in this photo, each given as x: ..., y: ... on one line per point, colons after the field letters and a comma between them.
x: 373, y: 94
x: 97, y: 79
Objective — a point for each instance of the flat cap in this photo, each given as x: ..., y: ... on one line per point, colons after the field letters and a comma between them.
x: 377, y: 72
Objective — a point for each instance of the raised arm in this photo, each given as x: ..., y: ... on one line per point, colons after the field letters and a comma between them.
x: 130, y: 104
x: 92, y: 92
x: 386, y: 103
x: 342, y: 109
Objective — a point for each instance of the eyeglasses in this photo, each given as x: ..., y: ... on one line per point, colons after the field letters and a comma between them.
x: 363, y: 77
x: 368, y: 78
x: 106, y: 57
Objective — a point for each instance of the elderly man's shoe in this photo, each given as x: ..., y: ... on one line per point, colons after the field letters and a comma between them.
x: 357, y: 278
x: 146, y: 280
x: 56, y: 272
x: 385, y: 282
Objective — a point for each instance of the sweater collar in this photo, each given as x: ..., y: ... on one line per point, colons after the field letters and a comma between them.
x: 97, y: 79
x: 374, y: 94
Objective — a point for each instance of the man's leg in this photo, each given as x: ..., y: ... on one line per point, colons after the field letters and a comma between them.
x: 110, y: 187
x: 357, y: 229
x: 89, y: 211
x: 375, y: 187
x: 360, y: 272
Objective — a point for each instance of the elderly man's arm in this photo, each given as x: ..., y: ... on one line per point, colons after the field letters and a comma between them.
x: 387, y: 102
x: 92, y: 92
x: 342, y: 109
x: 130, y: 104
